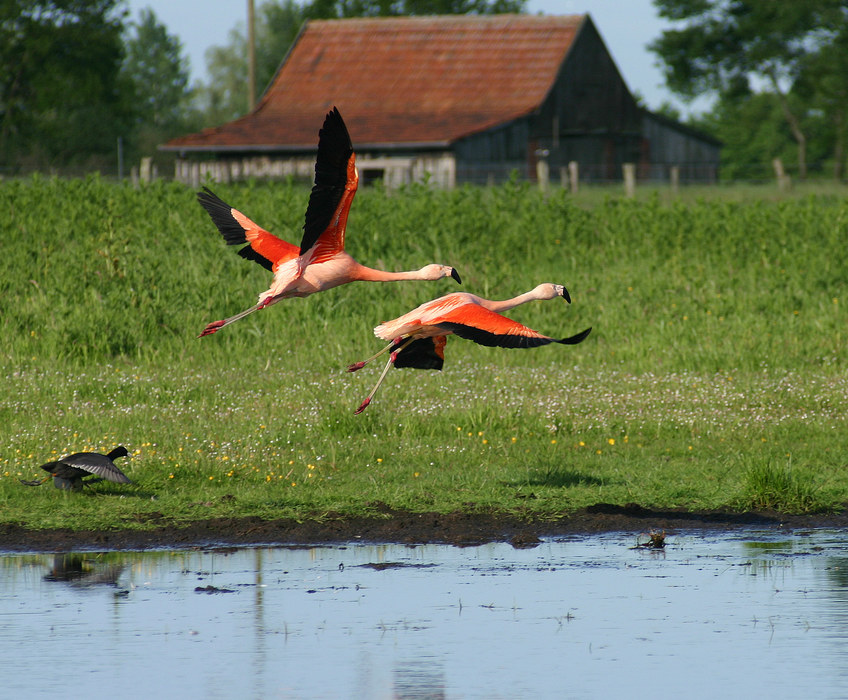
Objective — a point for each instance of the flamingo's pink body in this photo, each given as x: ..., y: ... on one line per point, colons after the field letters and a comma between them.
x: 418, y: 337
x: 320, y: 263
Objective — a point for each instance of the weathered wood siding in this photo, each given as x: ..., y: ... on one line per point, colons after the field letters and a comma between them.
x: 590, y: 115
x: 668, y: 144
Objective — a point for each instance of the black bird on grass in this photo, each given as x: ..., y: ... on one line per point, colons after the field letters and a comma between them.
x: 68, y: 472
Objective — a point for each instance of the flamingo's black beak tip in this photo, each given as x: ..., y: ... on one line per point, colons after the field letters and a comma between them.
x: 455, y: 275
x: 566, y: 295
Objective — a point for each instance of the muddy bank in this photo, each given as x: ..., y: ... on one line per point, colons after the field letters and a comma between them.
x: 391, y: 526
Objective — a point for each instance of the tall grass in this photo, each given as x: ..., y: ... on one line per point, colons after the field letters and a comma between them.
x: 719, y: 331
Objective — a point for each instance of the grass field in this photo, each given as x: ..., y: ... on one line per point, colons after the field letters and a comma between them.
x: 715, y: 374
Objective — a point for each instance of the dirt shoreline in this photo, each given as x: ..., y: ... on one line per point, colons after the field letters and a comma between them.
x: 462, y: 529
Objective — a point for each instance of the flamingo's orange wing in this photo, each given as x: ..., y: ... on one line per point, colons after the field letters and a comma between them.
x: 422, y: 353
x: 335, y: 185
x: 263, y: 247
x: 478, y: 324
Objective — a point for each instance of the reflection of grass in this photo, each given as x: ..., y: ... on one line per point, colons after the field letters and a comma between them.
x: 719, y: 330
x: 779, y: 488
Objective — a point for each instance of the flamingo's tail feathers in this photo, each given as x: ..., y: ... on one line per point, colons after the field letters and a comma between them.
x: 574, y: 339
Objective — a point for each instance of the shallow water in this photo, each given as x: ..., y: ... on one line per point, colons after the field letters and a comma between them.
x: 744, y: 614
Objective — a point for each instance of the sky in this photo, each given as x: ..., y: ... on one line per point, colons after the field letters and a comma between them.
x: 626, y: 26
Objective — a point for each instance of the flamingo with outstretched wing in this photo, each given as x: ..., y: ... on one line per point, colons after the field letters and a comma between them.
x: 320, y: 263
x: 418, y: 338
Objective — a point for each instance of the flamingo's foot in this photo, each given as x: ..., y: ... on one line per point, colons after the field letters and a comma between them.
x: 212, y: 328
x: 355, y: 366
x: 362, y: 406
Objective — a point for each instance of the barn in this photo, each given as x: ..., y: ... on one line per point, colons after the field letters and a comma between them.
x: 451, y: 99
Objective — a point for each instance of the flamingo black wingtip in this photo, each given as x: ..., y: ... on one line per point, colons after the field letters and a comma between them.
x: 578, y: 338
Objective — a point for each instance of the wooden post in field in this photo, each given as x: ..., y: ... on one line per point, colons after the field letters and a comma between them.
x: 629, y: 179
x: 146, y: 169
x: 573, y: 175
x: 543, y: 170
x: 784, y: 181
x: 674, y: 178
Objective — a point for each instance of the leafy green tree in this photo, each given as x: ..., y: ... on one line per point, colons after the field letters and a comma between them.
x: 823, y: 85
x: 158, y: 71
x: 62, y: 99
x: 724, y: 42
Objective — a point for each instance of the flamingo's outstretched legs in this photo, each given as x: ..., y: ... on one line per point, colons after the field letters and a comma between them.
x: 359, y: 365
x: 391, y: 361
x: 215, y: 326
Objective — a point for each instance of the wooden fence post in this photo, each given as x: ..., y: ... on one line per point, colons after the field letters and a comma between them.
x: 674, y: 177
x: 145, y: 172
x: 629, y: 179
x: 543, y: 170
x: 573, y: 175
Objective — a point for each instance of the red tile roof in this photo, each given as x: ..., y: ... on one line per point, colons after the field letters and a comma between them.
x: 402, y: 80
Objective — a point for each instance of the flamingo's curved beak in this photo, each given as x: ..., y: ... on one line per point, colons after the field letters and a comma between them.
x: 566, y: 295
x: 455, y: 275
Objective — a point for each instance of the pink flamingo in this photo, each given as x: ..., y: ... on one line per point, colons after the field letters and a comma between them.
x: 321, y: 262
x: 418, y: 338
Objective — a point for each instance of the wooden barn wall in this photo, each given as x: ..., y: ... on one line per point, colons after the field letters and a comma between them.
x: 666, y: 146
x: 492, y: 156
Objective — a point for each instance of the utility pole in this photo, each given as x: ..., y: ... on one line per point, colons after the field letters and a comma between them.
x: 251, y: 57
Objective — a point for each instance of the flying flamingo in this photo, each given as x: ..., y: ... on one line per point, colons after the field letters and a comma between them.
x: 418, y: 338
x: 68, y: 471
x: 321, y: 262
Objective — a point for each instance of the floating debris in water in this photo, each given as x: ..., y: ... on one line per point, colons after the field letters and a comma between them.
x: 656, y: 540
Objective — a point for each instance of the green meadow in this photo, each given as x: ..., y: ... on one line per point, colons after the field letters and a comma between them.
x: 714, y: 377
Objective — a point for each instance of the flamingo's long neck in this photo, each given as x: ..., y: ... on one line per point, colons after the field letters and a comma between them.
x: 507, y: 304
x: 369, y: 274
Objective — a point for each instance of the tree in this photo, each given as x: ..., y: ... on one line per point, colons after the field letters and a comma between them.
x: 159, y: 72
x: 62, y: 99
x: 823, y: 84
x: 728, y: 41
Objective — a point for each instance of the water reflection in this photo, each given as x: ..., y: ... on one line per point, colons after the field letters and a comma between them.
x: 419, y: 679
x: 83, y: 570
x: 745, y: 614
